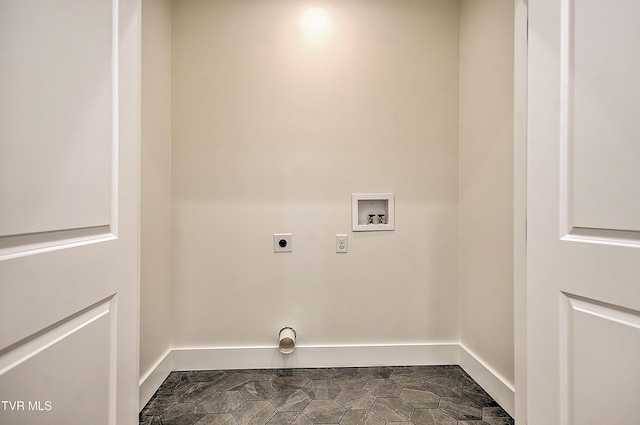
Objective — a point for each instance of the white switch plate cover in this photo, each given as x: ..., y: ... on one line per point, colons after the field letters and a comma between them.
x: 342, y: 243
x: 282, y: 242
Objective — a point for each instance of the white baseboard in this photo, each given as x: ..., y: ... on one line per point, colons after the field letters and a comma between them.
x: 314, y: 356
x: 151, y: 381
x: 494, y: 384
x: 327, y: 356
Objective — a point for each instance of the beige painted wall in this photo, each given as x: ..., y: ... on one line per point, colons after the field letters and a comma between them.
x: 155, y: 256
x: 486, y: 183
x: 273, y: 132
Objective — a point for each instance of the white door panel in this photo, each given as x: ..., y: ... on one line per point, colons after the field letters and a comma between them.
x: 583, y: 213
x: 56, y: 84
x: 599, y: 352
x: 600, y: 65
x: 51, y: 360
x: 69, y: 119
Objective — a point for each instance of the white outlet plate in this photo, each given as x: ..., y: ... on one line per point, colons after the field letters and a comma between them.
x: 342, y: 243
x: 282, y: 242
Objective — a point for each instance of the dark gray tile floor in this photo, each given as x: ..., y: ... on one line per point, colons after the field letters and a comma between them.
x: 418, y: 395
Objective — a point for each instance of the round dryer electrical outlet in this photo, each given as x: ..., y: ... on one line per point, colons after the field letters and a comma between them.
x: 282, y: 242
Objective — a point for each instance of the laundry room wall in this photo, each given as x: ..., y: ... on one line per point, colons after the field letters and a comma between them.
x: 486, y: 183
x: 273, y: 129
x: 155, y: 181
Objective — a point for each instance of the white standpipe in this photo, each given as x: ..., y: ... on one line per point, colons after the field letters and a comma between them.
x: 287, y: 340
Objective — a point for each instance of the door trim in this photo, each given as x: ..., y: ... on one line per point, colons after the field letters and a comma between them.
x: 520, y: 209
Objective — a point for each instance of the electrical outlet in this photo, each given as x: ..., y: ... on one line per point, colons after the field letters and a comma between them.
x: 282, y: 242
x: 342, y: 243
